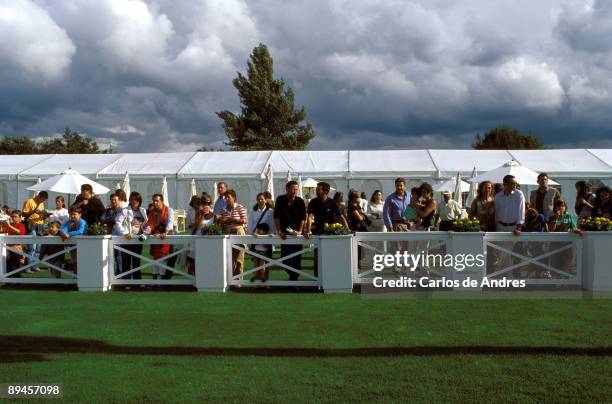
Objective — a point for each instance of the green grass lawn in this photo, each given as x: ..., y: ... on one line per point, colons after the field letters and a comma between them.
x: 298, y: 347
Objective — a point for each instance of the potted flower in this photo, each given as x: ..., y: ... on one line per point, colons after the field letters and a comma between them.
x: 335, y: 229
x: 466, y: 225
x: 596, y: 224
x: 213, y: 230
x: 97, y: 229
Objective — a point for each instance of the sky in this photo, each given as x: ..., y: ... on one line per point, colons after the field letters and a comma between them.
x: 149, y: 76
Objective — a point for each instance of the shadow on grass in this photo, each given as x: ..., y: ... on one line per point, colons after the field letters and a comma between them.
x: 21, y: 348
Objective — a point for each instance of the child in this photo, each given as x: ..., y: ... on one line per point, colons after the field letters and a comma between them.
x: 14, y: 260
x: 51, y: 249
x: 412, y: 219
x: 561, y: 220
x: 76, y: 226
x: 262, y: 229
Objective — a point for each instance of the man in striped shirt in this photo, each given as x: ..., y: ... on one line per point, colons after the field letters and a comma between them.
x: 234, y: 220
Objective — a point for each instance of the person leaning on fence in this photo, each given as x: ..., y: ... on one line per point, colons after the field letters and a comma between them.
x: 262, y: 213
x: 543, y: 198
x: 199, y: 217
x: 395, y: 206
x: 60, y: 213
x: 289, y: 218
x: 603, y: 203
x: 16, y: 228
x: 321, y: 211
x: 34, y: 212
x: 91, y: 206
x: 161, y: 223
x: 427, y: 209
x: 53, y: 230
x: 111, y: 219
x: 234, y: 220
x: 483, y: 206
x: 133, y: 223
x: 449, y: 210
x: 221, y: 202
x: 76, y: 226
x: 585, y: 200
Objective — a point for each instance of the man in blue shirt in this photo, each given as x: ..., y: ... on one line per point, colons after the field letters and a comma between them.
x: 395, y: 207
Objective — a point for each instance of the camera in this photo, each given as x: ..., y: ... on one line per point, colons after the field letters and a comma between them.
x: 142, y: 237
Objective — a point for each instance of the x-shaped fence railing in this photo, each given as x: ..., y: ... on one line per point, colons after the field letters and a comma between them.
x: 123, y: 278
x: 10, y: 243
x: 240, y: 243
x: 495, y: 243
x: 415, y: 242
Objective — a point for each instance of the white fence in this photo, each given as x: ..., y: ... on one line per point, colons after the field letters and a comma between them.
x: 210, y: 262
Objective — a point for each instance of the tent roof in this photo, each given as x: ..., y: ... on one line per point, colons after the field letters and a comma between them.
x: 450, y: 162
x: 10, y: 166
x: 146, y: 164
x: 85, y: 164
x: 229, y: 164
x: 605, y: 155
x: 323, y: 164
x: 390, y: 163
x: 564, y: 162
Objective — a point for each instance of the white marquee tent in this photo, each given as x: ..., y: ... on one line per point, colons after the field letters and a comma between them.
x: 366, y: 170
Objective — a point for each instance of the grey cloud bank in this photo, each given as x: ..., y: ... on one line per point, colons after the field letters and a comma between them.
x: 149, y: 76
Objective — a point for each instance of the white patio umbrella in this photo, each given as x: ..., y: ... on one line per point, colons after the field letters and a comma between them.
x: 472, y: 193
x: 523, y: 175
x: 126, y: 185
x: 68, y: 182
x: 457, y: 196
x: 451, y: 185
x: 164, y: 190
x: 310, y: 183
x: 270, y: 180
x: 300, y: 193
x: 194, y: 189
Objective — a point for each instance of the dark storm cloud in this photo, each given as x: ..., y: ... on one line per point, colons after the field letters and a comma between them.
x: 150, y: 76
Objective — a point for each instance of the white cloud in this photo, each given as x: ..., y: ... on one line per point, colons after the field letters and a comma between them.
x: 32, y: 42
x: 125, y: 129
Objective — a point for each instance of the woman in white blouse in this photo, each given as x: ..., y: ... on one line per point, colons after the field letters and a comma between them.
x: 261, y: 213
x: 375, y: 212
x: 60, y: 213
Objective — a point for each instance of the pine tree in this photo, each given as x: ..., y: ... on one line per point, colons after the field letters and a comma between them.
x: 506, y: 138
x: 268, y: 119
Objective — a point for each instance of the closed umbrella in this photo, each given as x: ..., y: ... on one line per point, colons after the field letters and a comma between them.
x: 194, y: 190
x: 457, y: 196
x: 300, y: 193
x: 38, y: 181
x: 270, y: 180
x: 164, y: 190
x: 126, y: 184
x: 472, y: 192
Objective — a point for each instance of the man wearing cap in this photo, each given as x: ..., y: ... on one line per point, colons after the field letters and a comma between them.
x: 448, y: 211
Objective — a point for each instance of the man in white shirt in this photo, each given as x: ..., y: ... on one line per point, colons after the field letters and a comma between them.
x: 510, y: 207
x: 448, y: 211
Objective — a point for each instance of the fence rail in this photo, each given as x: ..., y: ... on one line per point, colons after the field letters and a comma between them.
x: 333, y: 263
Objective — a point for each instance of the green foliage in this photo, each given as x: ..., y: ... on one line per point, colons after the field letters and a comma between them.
x: 71, y: 142
x: 97, y: 229
x: 268, y: 119
x: 504, y: 137
x: 212, y: 230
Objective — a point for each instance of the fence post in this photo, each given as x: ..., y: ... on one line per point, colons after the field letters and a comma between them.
x: 2, y: 259
x: 597, y: 259
x: 469, y: 243
x: 93, y: 263
x: 210, y: 254
x: 335, y: 263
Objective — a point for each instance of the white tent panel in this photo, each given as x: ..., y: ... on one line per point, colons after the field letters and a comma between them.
x: 450, y: 162
x: 147, y: 164
x: 85, y: 164
x: 604, y: 155
x: 562, y: 162
x: 10, y: 166
x: 390, y: 164
x: 317, y: 164
x: 220, y: 165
